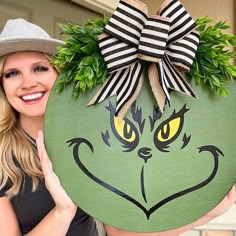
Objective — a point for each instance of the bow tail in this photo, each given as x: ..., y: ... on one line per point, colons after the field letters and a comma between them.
x: 127, y: 94
x: 175, y: 79
x: 158, y: 84
x: 125, y: 84
x: 110, y: 87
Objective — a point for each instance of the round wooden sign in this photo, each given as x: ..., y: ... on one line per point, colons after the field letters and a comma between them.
x: 148, y: 172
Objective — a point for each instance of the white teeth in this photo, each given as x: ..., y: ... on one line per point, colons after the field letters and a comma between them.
x: 32, y: 96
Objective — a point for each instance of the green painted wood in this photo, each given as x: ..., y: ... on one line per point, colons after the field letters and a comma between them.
x: 208, y: 123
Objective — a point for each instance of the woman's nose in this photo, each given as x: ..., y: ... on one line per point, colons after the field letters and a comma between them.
x: 28, y: 81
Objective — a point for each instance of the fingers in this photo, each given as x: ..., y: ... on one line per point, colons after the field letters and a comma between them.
x: 40, y: 143
x: 44, y: 159
x: 52, y: 182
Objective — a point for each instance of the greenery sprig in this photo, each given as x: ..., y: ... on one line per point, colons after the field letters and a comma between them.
x: 79, y: 59
x: 213, y: 65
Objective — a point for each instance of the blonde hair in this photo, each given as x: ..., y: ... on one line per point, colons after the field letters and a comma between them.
x: 17, y: 154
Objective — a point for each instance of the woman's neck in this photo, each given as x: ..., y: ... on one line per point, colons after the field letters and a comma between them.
x: 31, y: 125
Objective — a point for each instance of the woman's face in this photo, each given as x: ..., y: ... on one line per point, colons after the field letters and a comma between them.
x: 27, y: 80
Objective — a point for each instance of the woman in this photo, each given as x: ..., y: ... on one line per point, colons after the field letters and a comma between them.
x: 26, y: 206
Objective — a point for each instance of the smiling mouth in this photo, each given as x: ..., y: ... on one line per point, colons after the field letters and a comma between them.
x: 32, y: 97
x: 214, y: 152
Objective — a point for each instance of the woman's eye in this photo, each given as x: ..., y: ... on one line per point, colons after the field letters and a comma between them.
x: 11, y: 74
x: 40, y: 68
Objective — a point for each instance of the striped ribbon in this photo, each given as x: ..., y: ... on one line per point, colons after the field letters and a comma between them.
x: 167, y: 40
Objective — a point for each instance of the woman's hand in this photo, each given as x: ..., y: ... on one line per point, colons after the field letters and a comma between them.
x: 64, y: 205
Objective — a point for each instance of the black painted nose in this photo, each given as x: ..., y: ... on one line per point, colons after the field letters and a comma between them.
x: 145, y: 153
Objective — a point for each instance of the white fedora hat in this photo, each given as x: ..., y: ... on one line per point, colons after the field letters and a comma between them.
x: 21, y: 35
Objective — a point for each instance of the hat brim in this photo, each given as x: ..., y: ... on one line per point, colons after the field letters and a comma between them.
x: 48, y: 46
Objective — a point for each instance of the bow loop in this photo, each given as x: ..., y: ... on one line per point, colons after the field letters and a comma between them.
x: 182, y: 52
x: 131, y: 37
x: 128, y: 21
x: 116, y: 54
x: 181, y: 22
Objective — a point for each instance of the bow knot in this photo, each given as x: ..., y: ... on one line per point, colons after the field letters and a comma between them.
x: 166, y: 40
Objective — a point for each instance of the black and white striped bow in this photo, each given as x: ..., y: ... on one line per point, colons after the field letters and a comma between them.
x: 131, y: 38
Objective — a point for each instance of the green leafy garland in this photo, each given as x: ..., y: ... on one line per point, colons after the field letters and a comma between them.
x: 213, y: 65
x: 79, y: 59
x: 81, y: 62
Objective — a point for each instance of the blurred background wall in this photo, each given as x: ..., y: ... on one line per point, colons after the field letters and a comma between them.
x: 48, y: 13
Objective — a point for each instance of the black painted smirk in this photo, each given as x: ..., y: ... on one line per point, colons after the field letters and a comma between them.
x: 216, y: 152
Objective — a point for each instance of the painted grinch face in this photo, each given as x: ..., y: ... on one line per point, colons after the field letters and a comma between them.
x: 149, y: 171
